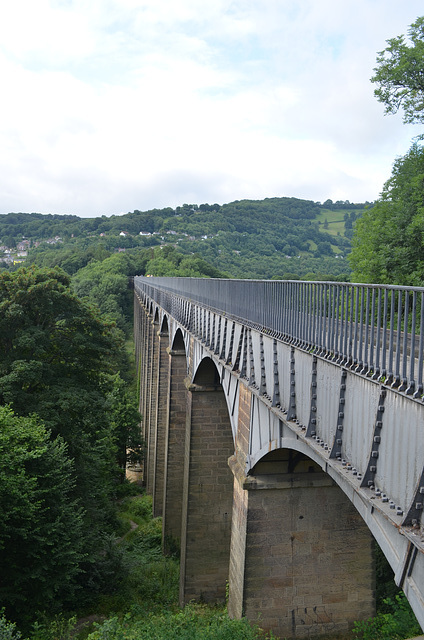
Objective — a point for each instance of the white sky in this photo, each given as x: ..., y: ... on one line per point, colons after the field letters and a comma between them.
x: 113, y: 105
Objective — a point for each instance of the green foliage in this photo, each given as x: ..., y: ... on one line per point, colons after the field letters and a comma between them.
x: 8, y: 629
x: 385, y: 580
x: 400, y: 74
x: 194, y: 622
x: 388, y: 245
x: 244, y: 239
x: 169, y: 262
x: 69, y: 256
x: 56, y: 360
x: 41, y: 528
x: 397, y: 623
x: 148, y: 579
x: 58, y: 628
x: 125, y: 421
x: 105, y: 283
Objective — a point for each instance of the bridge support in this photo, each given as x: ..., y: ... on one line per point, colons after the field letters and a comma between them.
x: 207, y: 496
x: 151, y: 405
x: 161, y: 412
x: 174, y: 448
x: 301, y: 556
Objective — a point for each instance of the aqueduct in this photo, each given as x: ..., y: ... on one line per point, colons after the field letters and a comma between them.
x: 284, y: 431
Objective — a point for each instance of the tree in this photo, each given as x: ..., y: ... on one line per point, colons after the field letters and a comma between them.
x: 126, y: 419
x: 54, y: 352
x: 400, y: 74
x: 57, y: 360
x: 41, y: 525
x: 388, y: 244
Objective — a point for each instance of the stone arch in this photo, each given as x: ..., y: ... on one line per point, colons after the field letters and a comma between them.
x: 384, y: 536
x: 178, y: 343
x: 164, y: 328
x: 207, y: 374
x: 307, y: 554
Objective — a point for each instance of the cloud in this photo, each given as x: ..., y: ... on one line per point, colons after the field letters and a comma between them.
x: 114, y: 105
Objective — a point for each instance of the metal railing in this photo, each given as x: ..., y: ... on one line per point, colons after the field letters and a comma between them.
x: 376, y: 330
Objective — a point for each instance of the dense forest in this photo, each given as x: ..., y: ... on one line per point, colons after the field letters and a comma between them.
x: 271, y: 238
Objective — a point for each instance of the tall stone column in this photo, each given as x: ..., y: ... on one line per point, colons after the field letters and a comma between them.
x: 174, y: 449
x: 207, y: 496
x: 143, y: 339
x: 151, y: 405
x: 301, y: 556
x: 162, y: 402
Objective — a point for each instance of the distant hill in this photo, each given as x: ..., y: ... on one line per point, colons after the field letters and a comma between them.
x: 275, y: 237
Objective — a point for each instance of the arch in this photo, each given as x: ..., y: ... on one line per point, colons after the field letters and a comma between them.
x: 178, y: 343
x: 386, y: 536
x: 164, y: 329
x: 207, y: 374
x: 303, y: 556
x: 285, y: 461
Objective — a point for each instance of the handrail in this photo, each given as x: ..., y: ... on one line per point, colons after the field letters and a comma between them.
x: 375, y: 330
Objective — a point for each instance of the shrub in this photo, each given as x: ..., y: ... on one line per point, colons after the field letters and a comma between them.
x: 398, y: 623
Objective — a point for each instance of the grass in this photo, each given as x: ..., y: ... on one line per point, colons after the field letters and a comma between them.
x: 145, y: 604
x: 335, y: 221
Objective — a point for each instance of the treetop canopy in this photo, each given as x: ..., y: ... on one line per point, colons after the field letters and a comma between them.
x: 399, y: 74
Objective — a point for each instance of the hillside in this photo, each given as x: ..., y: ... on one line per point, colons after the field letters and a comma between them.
x: 275, y: 237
